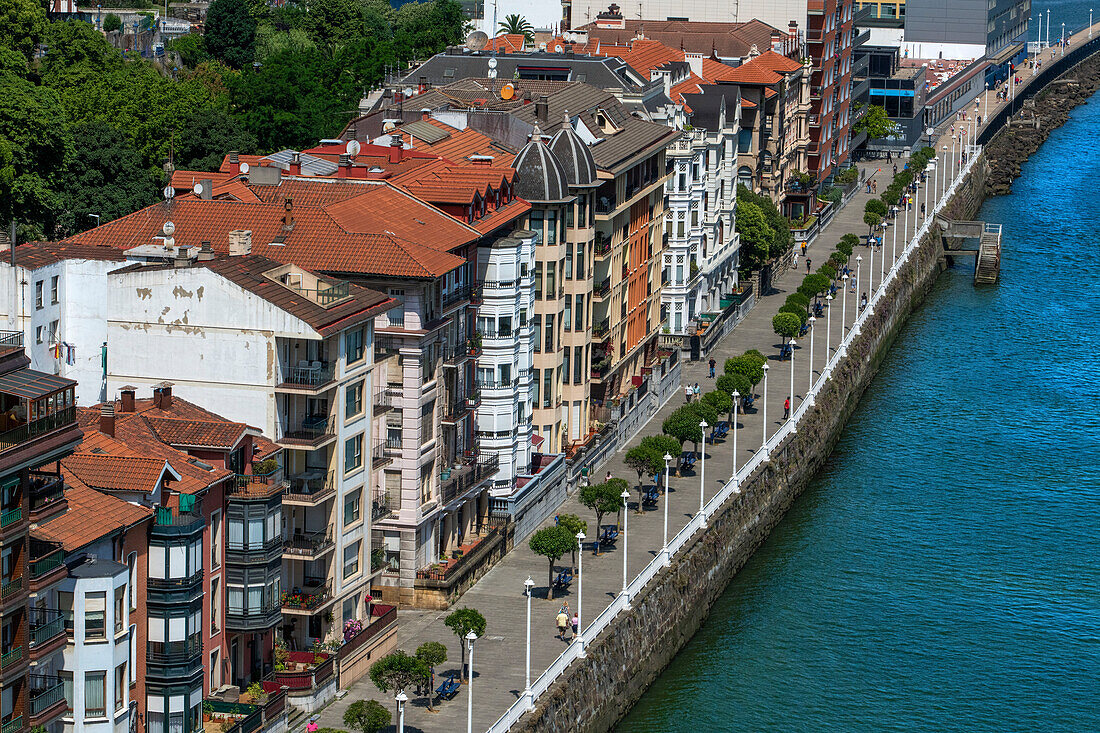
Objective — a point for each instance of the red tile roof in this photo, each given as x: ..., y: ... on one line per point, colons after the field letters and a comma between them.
x: 646, y: 55
x: 506, y: 43
x: 90, y: 515
x: 117, y: 472
x: 33, y: 255
x: 186, y: 433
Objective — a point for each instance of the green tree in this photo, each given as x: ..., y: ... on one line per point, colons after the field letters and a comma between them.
x: 433, y: 654
x: 756, y: 235
x: 396, y: 671
x: 876, y: 206
x: 462, y: 622
x: 797, y: 311
x: 872, y: 220
x: 573, y: 524
x: 209, y: 134
x: 719, y: 400
x: 730, y: 383
x: 367, y: 715
x: 105, y: 177
x: 112, y: 22
x: 786, y: 325
x: 875, y: 123
x: 230, y: 32
x: 683, y: 425
x: 748, y: 366
x: 190, y: 48
x: 662, y: 445
x: 704, y: 412
x: 602, y: 499
x: 515, y: 24
x: 22, y: 23
x: 423, y: 29
x: 551, y: 543
x: 644, y: 461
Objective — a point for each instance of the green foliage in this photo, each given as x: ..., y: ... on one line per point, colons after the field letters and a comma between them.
x: 798, y: 311
x: 462, y: 622
x: 644, y: 461
x: 551, y: 543
x: 704, y: 411
x: 602, y: 498
x: 833, y: 195
x: 230, y: 32
x: 396, y: 671
x: 786, y: 325
x: 573, y: 524
x: 749, y: 366
x: 846, y: 176
x: 432, y: 653
x: 756, y: 235
x: 191, y: 49
x: 662, y: 445
x: 112, y: 22
x: 798, y: 299
x: 367, y: 715
x: 817, y: 283
x: 719, y: 400
x: 739, y: 383
x: 875, y: 206
x: 211, y: 133
x: 683, y: 426
x: 22, y: 23
x: 516, y: 24
x: 875, y: 123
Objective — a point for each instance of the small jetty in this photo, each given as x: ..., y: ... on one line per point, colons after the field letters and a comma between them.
x: 977, y: 238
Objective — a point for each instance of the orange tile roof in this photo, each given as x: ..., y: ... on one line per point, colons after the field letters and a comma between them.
x: 506, y: 43
x: 777, y: 62
x: 646, y: 55
x: 90, y: 515
x: 186, y: 433
x: 691, y: 85
x: 503, y: 215
x: 117, y: 473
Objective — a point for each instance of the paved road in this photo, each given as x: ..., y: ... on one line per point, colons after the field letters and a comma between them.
x: 499, y: 655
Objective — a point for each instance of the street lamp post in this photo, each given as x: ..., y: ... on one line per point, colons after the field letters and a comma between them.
x: 735, y: 395
x: 527, y: 695
x: 470, y: 639
x: 1040, y: 30
x: 1063, y: 44
x: 790, y: 412
x: 702, y: 467
x: 1090, y: 22
x: 626, y: 524
x: 871, y: 269
x: 1048, y: 28
x: 764, y: 443
x: 843, y: 306
x: 828, y: 326
x: 893, y: 251
x: 580, y: 590
x: 809, y: 389
x: 985, y: 100
x: 664, y: 541
x: 859, y: 280
x: 401, y: 699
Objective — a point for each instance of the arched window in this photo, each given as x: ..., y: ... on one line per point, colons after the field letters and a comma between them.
x: 744, y: 176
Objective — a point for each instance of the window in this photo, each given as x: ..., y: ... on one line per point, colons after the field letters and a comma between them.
x: 579, y: 325
x: 347, y: 612
x: 351, y: 508
x: 578, y: 364
x: 538, y: 281
x: 535, y: 386
x: 353, y: 453
x: 353, y: 400
x: 95, y: 612
x: 131, y: 585
x: 353, y: 345
x: 351, y: 559
x: 38, y: 295
x: 120, y: 686
x: 427, y: 431
x: 215, y: 604
x: 568, y: 262
x: 549, y: 333
x: 39, y: 334
x: 53, y: 289
x: 551, y: 281
x: 536, y: 323
x: 568, y: 351
x: 567, y: 319
x: 396, y: 315
x: 120, y: 609
x: 95, y: 705
x: 67, y: 686
x: 547, y: 387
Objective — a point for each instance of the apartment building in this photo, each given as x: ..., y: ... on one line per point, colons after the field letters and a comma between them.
x: 37, y: 428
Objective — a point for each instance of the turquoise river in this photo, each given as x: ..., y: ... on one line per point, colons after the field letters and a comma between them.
x: 943, y: 570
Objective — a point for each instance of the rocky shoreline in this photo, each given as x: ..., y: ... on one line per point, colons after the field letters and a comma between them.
x: 1034, y: 122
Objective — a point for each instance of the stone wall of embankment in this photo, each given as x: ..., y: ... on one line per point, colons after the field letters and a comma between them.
x: 595, y: 692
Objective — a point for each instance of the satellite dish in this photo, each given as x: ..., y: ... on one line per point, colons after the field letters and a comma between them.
x: 507, y: 91
x: 244, y: 167
x: 353, y: 148
x: 169, y: 228
x: 477, y: 40
x: 388, y: 126
x: 198, y: 189
x: 409, y: 91
x: 169, y: 192
x: 542, y: 46
x: 492, y: 62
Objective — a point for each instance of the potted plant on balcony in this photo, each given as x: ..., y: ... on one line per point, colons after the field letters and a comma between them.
x: 207, y: 711
x: 474, y: 343
x: 256, y: 694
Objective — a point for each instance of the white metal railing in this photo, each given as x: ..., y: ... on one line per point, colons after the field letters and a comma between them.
x: 731, y: 487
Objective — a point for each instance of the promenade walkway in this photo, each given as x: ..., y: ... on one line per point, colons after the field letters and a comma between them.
x: 499, y: 595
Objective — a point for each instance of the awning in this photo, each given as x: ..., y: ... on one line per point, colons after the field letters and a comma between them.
x: 30, y: 384
x: 1006, y: 54
x: 536, y: 440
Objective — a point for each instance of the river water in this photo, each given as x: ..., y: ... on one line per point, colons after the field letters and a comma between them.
x: 943, y: 571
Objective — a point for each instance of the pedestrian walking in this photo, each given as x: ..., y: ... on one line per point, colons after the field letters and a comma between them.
x: 695, y: 391
x: 808, y: 261
x: 576, y: 625
x: 687, y: 394
x: 803, y: 249
x: 563, y: 624
x: 862, y: 302
x: 786, y: 408
x: 874, y: 185
x: 712, y: 363
x: 605, y: 480
x: 853, y: 283
x: 312, y: 726
x: 895, y: 169
x: 922, y: 208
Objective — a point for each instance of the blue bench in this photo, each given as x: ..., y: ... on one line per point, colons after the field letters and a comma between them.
x: 563, y: 580
x: 449, y: 688
x: 785, y: 352
x: 649, y: 498
x: 747, y: 402
x: 687, y: 460
x: 609, y: 535
x: 723, y: 428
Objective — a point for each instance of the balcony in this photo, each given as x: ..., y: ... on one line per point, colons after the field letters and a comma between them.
x: 185, y: 520
x: 378, y: 457
x: 457, y: 355
x: 47, y: 491
x: 309, y: 488
x: 168, y: 584
x: 12, y: 726
x: 257, y: 485
x: 175, y: 652
x: 11, y: 588
x: 456, y: 295
x: 11, y: 658
x: 308, y: 377
x: 47, y: 569
x: 253, y: 619
x: 602, y: 290
x: 11, y: 517
x: 46, y: 625
x: 47, y: 697
x: 454, y: 412
x: 307, y: 545
x: 15, y: 437
x: 456, y: 481
x: 381, y: 401
x: 254, y: 553
x: 382, y: 505
x: 602, y: 247
x: 308, y: 600
x: 312, y: 432
x: 601, y: 329
x: 503, y: 336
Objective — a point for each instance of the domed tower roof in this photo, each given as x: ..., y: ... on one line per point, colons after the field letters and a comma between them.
x: 574, y: 156
x: 539, y: 175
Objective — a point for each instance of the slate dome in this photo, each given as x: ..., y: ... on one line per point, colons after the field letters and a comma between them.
x: 540, y: 177
x: 574, y: 156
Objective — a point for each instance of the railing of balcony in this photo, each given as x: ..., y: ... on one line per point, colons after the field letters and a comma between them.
x: 45, y: 624
x: 463, y: 477
x: 310, y: 486
x: 310, y: 374
x: 10, y: 516
x: 603, y: 289
x: 45, y: 489
x: 310, y: 429
x: 308, y: 599
x: 307, y: 543
x: 46, y: 691
x: 35, y: 428
x: 456, y: 295
x: 42, y: 565
x: 174, y: 651
x: 11, y: 588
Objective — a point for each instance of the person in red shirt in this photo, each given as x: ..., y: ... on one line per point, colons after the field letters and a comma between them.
x: 786, y: 408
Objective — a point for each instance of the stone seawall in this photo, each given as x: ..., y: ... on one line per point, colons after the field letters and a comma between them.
x: 621, y: 663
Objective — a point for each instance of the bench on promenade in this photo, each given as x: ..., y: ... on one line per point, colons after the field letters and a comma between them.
x: 563, y: 580
x: 747, y: 402
x: 449, y: 688
x: 785, y: 352
x: 649, y: 498
x: 609, y: 535
x: 687, y: 460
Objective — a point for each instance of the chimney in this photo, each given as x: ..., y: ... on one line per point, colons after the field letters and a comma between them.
x: 206, y: 252
x: 364, y: 106
x: 295, y: 163
x: 344, y: 166
x: 481, y: 160
x: 542, y: 109
x: 396, y: 147
x: 423, y: 86
x: 777, y: 41
x: 207, y: 189
x: 128, y: 394
x: 234, y: 162
x: 425, y: 114
x: 240, y: 242
x: 162, y: 397
x: 792, y: 32
x: 107, y: 419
